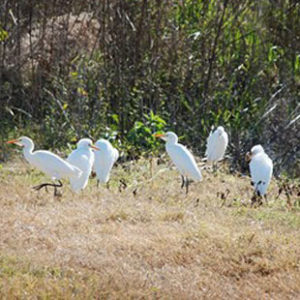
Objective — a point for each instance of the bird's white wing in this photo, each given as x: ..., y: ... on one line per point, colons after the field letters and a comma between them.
x: 184, y: 161
x: 261, y: 169
x: 212, y: 146
x: 208, y: 143
x: 104, y: 160
x: 225, y: 139
x: 83, y: 159
x: 53, y: 165
x: 216, y: 146
x: 221, y: 143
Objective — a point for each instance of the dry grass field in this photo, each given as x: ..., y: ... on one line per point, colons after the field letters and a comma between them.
x: 148, y: 240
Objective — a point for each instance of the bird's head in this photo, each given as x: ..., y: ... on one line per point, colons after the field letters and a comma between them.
x: 102, y: 144
x: 86, y: 143
x: 169, y: 136
x: 220, y: 130
x: 254, y: 151
x: 23, y: 141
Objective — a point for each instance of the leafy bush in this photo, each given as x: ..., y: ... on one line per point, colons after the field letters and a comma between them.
x: 67, y: 69
x: 140, y: 137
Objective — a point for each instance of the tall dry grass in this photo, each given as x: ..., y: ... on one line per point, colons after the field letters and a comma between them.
x: 147, y: 241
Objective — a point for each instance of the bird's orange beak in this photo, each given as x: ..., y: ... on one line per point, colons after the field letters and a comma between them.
x: 158, y: 135
x: 95, y: 148
x: 248, y: 156
x: 15, y: 141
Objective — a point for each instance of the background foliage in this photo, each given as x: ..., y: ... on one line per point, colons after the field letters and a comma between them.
x: 100, y: 68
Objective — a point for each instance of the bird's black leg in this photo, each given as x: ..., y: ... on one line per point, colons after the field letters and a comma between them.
x: 253, y: 199
x: 98, y: 182
x: 259, y: 197
x: 187, y: 185
x: 107, y: 185
x: 214, y: 166
x: 256, y: 198
x: 182, y: 181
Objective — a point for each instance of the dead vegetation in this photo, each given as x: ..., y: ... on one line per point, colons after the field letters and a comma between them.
x: 156, y: 242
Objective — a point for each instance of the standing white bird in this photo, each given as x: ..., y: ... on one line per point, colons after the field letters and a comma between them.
x: 261, y: 169
x: 182, y: 158
x: 82, y: 158
x: 104, y: 160
x: 47, y: 162
x: 217, y: 142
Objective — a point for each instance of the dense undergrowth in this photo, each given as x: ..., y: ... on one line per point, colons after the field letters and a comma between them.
x: 98, y: 68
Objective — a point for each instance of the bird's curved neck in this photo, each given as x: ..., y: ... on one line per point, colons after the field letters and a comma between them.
x: 28, y: 151
x: 171, y: 142
x: 85, y: 149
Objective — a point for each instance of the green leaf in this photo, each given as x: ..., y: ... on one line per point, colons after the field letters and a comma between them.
x: 115, y: 117
x: 74, y: 74
x: 297, y: 63
x: 3, y: 34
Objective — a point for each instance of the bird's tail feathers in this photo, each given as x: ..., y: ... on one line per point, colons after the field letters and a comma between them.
x: 197, y: 176
x: 78, y: 184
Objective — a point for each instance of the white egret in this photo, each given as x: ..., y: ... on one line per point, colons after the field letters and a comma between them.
x: 182, y: 158
x: 104, y: 160
x: 47, y: 162
x: 217, y: 142
x: 82, y: 158
x: 261, y: 169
